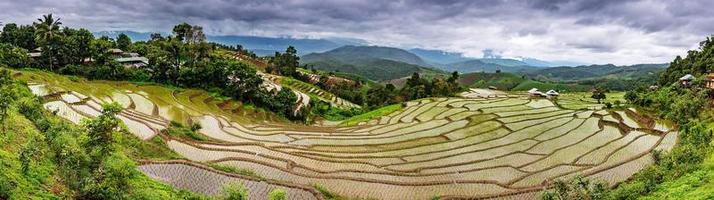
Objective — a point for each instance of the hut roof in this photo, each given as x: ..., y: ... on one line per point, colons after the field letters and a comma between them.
x: 687, y: 77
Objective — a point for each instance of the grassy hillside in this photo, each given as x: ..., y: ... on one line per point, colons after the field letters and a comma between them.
x: 374, y: 63
x: 503, y: 81
x: 695, y: 185
x: 351, y: 54
x: 45, y: 157
x: 373, y: 69
x: 597, y: 72
x: 509, y: 81
x: 478, y: 65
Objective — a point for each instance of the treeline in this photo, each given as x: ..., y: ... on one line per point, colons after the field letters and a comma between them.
x: 183, y: 59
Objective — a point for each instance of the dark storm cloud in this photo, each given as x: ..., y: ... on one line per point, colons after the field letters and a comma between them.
x: 547, y: 28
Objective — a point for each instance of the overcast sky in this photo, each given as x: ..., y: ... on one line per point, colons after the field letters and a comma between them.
x: 591, y: 31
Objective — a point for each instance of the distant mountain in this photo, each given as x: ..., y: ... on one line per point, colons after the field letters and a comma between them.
x: 260, y: 45
x: 597, y: 72
x: 268, y: 45
x: 509, y: 81
x: 505, y: 62
x: 373, y: 62
x: 438, y: 56
x: 135, y: 36
x: 487, y: 65
x: 372, y: 52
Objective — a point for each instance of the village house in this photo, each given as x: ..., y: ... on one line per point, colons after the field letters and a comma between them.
x: 552, y: 94
x: 686, y: 80
x: 709, y: 81
x: 534, y: 92
x: 133, y: 62
x: 35, y: 53
x: 116, y: 53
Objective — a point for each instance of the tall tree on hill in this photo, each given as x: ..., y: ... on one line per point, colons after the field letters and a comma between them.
x: 48, y: 35
x: 22, y: 36
x: 195, y: 35
x: 123, y: 42
x: 286, y: 63
x: 76, y: 46
x: 181, y: 31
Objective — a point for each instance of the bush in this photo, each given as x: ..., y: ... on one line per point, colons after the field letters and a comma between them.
x: 234, y: 191
x: 277, y: 194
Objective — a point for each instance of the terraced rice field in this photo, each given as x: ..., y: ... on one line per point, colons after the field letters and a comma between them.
x: 319, y: 93
x: 507, y: 147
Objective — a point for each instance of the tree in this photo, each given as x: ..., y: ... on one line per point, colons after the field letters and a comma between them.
x: 22, y: 36
x: 243, y: 82
x: 196, y: 35
x: 99, y: 49
x: 286, y: 63
x: 576, y: 188
x: 454, y: 77
x: 12, y: 56
x: 100, y: 130
x: 48, y: 35
x: 181, y: 31
x: 76, y: 46
x: 123, y: 42
x: 598, y: 94
x: 156, y: 37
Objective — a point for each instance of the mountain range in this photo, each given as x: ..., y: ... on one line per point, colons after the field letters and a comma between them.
x: 378, y: 63
x: 372, y: 62
x: 261, y: 46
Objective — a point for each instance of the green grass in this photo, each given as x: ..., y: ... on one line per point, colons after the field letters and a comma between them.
x: 38, y: 181
x: 696, y: 185
x: 178, y: 130
x: 235, y: 170
x: 371, y: 115
x: 55, y: 156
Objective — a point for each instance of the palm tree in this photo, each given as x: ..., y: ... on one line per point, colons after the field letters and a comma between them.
x: 48, y: 29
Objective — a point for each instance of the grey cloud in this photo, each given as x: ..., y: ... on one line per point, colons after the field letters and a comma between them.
x: 458, y: 25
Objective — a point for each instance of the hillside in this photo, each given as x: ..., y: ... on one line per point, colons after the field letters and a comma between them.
x: 358, y: 53
x: 436, y: 57
x: 375, y: 63
x: 597, y: 72
x: 515, y: 82
x: 43, y: 156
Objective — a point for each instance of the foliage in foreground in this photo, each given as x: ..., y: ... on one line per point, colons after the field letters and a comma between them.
x: 61, y: 160
x: 576, y: 188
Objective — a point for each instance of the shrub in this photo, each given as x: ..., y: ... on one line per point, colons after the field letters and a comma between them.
x: 234, y: 191
x: 277, y: 194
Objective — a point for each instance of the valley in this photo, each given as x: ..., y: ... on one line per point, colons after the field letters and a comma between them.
x: 435, y: 146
